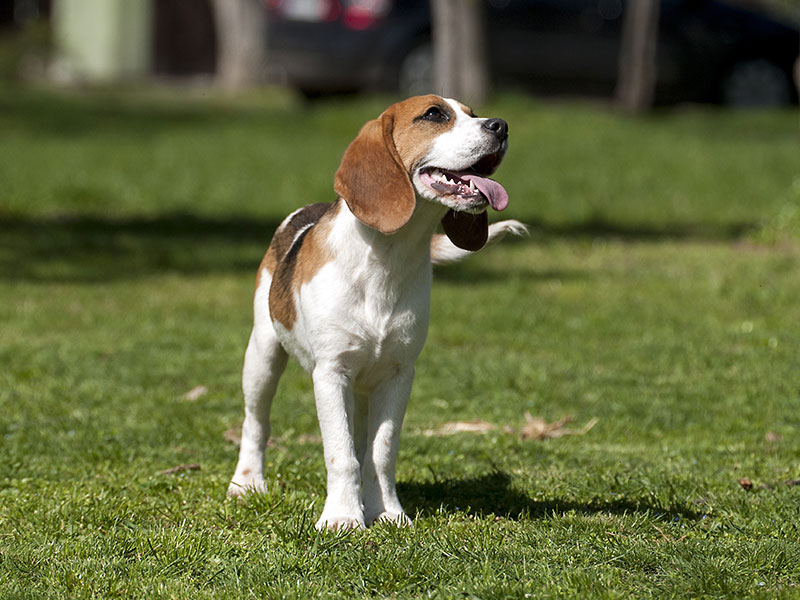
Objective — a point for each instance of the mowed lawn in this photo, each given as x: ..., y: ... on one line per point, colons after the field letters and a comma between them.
x: 656, y: 303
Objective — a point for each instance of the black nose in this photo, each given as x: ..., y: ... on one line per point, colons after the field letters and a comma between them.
x: 497, y: 127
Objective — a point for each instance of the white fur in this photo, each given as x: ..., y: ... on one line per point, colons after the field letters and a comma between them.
x: 360, y: 324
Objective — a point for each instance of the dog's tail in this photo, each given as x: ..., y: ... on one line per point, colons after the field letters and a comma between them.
x: 444, y: 251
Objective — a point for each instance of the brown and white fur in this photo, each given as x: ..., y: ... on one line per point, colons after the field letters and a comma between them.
x: 345, y: 289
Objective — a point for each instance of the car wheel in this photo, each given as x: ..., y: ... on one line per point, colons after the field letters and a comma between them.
x: 415, y: 76
x: 756, y: 83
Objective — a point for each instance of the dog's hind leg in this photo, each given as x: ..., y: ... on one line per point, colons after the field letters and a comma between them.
x: 264, y: 363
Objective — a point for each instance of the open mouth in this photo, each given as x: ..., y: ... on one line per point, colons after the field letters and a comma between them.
x: 471, y: 187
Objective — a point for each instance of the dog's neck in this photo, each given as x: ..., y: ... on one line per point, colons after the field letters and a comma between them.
x: 399, y: 255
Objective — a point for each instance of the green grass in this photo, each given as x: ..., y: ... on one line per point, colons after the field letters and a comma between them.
x: 657, y: 293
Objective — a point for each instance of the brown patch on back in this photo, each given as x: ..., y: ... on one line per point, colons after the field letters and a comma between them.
x: 285, y: 234
x: 297, y: 251
x: 315, y: 253
x: 269, y: 262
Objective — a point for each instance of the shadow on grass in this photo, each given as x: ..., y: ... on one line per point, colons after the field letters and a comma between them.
x: 493, y: 494
x: 600, y: 227
x: 93, y: 249
x: 592, y: 229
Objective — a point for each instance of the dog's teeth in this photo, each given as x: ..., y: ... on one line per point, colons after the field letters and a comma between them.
x: 471, y: 185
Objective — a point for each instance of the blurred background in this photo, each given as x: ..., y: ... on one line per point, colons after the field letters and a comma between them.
x: 641, y: 54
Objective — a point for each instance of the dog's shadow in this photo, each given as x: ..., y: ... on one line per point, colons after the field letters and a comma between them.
x: 494, y: 494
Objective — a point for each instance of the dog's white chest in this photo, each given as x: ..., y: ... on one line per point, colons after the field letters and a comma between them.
x: 365, y: 324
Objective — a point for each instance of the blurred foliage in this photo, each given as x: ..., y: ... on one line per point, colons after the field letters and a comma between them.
x: 24, y: 53
x: 784, y: 227
x: 787, y: 7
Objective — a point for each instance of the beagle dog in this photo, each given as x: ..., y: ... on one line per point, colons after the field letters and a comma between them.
x: 345, y: 289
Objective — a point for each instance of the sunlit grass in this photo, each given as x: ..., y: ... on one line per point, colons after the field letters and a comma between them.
x: 129, y: 235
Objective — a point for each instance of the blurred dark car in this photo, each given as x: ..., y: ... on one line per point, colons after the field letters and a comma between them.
x: 708, y: 51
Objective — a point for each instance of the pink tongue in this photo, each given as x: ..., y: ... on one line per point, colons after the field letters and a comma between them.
x: 495, y: 193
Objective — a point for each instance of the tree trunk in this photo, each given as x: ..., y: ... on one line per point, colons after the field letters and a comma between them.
x: 636, y: 78
x: 241, y: 42
x: 459, y: 50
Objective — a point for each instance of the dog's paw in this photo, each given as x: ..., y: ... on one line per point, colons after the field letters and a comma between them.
x: 340, y: 523
x: 240, y: 486
x: 400, y: 519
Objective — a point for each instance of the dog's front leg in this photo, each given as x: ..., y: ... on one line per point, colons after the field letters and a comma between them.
x: 333, y: 392
x: 386, y: 412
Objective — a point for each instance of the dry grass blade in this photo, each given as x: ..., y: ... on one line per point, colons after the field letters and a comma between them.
x: 195, y: 393
x: 474, y: 426
x: 181, y: 469
x: 536, y: 428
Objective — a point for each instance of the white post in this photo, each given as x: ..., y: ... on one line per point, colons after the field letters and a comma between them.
x: 102, y: 41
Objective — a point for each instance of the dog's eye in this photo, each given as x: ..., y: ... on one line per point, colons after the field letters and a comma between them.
x: 435, y: 114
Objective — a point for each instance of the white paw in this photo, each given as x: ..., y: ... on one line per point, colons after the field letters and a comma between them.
x: 400, y: 519
x: 340, y: 523
x: 240, y: 486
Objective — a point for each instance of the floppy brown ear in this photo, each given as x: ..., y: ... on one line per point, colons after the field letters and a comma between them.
x: 372, y: 178
x: 466, y: 230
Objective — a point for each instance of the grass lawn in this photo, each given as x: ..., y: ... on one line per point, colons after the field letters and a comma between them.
x: 658, y: 294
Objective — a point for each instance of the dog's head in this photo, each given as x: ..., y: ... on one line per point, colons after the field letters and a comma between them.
x: 432, y: 148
